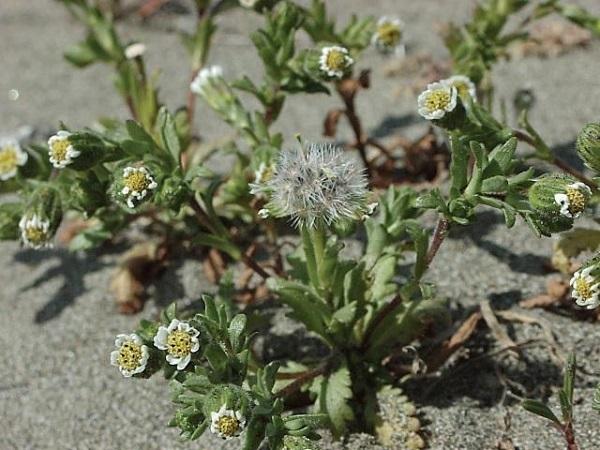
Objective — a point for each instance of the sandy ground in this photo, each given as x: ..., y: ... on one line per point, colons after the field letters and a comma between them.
x: 57, y: 322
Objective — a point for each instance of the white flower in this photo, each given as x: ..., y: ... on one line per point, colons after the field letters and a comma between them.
x: 131, y: 355
x: 464, y: 86
x: 437, y: 100
x: 318, y: 184
x: 334, y: 61
x: 586, y: 289
x: 204, y: 77
x: 135, y: 50
x: 227, y: 423
x: 61, y: 152
x: 137, y: 181
x: 388, y: 35
x: 11, y: 156
x: 179, y: 340
x: 35, y: 232
x: 248, y: 3
x: 573, y: 201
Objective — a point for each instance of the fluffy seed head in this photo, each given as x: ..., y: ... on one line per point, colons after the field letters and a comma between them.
x: 316, y: 184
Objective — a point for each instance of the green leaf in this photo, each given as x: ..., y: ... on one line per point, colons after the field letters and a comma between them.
x: 137, y: 132
x: 539, y: 408
x: 169, y: 314
x: 221, y: 243
x: 504, y: 154
x: 90, y: 238
x: 343, y: 316
x: 237, y: 329
x: 254, y: 434
x: 496, y: 184
x: 168, y: 132
x: 308, y: 307
x: 81, y: 55
x: 216, y: 357
x: 458, y: 165
x: 334, y: 397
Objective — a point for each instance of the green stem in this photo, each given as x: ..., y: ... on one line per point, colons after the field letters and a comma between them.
x: 311, y: 260
x: 319, y: 238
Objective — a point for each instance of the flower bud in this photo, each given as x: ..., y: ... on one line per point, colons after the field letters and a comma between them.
x: 227, y: 408
x: 41, y: 218
x: 329, y: 63
x: 586, y: 284
x: 173, y: 193
x: 588, y: 145
x: 87, y: 195
x: 133, y: 185
x: 78, y: 151
x: 547, y: 224
x: 231, y: 395
x: 559, y: 196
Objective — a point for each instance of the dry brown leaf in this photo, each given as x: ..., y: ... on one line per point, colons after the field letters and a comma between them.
x: 550, y: 38
x: 556, y: 292
x: 213, y: 265
x: 128, y: 291
x: 136, y: 267
x: 331, y: 122
x: 435, y: 360
x: 70, y: 228
x: 497, y: 331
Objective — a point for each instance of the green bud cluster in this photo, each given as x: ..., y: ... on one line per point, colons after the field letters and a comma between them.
x: 588, y: 145
x: 557, y: 200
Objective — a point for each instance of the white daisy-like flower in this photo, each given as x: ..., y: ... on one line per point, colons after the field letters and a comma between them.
x: 137, y: 182
x: 586, y: 288
x: 11, y: 157
x: 135, y: 50
x: 61, y: 151
x: 227, y: 423
x: 35, y: 232
x: 437, y: 100
x: 464, y: 86
x: 317, y: 184
x: 179, y: 340
x: 204, y: 77
x: 335, y: 61
x: 131, y: 355
x: 574, y: 200
x: 388, y: 34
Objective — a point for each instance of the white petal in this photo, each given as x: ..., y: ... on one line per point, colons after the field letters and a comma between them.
x: 184, y: 362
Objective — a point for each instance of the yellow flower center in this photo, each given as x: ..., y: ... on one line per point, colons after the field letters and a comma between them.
x: 437, y: 100
x: 8, y: 159
x: 389, y: 34
x: 59, y: 149
x: 179, y: 343
x: 130, y: 355
x: 228, y: 425
x: 577, y: 200
x: 36, y: 235
x: 336, y: 60
x: 136, y: 181
x: 583, y: 288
